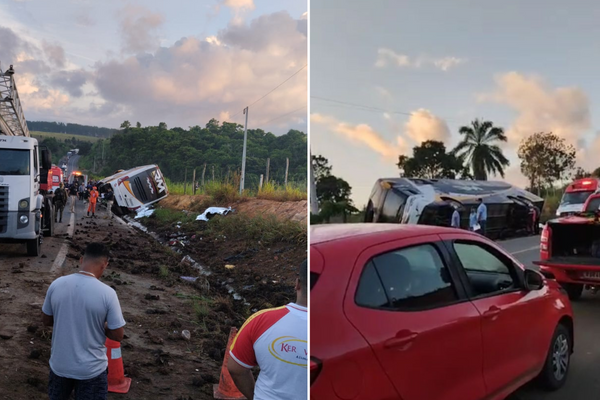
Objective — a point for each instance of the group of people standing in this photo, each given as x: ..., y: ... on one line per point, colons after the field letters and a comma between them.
x: 478, y: 219
x: 86, y: 193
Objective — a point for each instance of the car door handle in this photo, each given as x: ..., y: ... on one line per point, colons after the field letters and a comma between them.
x: 403, y: 338
x: 492, y: 312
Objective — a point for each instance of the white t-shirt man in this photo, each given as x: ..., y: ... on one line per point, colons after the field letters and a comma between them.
x: 276, y: 340
x: 80, y: 305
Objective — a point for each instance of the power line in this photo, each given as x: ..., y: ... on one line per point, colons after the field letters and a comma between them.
x: 285, y: 115
x: 366, y: 108
x: 272, y: 90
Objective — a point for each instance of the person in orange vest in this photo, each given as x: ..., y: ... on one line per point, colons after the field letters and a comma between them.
x: 93, y: 199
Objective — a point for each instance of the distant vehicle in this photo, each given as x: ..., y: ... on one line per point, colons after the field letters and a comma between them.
x: 575, y: 196
x: 432, y: 201
x: 57, y: 177
x: 74, y: 151
x: 69, y: 154
x: 570, y: 249
x: 78, y: 176
x: 135, y: 188
x: 432, y: 313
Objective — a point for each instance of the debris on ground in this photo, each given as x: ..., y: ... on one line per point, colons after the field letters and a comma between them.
x: 213, y: 211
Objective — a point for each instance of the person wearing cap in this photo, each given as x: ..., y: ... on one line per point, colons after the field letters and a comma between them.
x: 83, y: 312
x: 276, y: 340
x: 93, y: 200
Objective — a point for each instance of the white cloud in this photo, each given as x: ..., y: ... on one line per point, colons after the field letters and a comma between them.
x: 138, y: 28
x: 387, y: 57
x: 361, y: 134
x: 448, y: 62
x: 564, y: 111
x: 423, y: 125
x: 383, y: 92
x: 239, y: 9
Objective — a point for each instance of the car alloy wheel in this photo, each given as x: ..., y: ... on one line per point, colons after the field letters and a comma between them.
x: 560, y: 357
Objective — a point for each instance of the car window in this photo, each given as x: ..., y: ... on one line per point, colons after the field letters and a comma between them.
x: 412, y: 278
x: 487, y: 272
x: 370, y: 291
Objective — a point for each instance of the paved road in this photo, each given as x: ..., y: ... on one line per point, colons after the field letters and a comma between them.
x: 584, y: 377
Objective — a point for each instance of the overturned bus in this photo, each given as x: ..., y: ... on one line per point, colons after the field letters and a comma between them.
x: 432, y: 201
x: 135, y: 188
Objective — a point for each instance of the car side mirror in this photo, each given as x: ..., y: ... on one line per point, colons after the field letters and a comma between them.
x: 533, y: 280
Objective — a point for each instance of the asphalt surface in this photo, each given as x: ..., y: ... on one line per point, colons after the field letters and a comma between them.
x: 583, y: 382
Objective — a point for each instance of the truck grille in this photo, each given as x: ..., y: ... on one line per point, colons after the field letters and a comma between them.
x: 3, y: 208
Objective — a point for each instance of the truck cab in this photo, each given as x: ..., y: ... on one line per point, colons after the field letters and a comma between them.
x: 575, y: 196
x: 25, y: 210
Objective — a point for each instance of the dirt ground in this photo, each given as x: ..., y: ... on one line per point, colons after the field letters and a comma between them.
x: 157, y: 305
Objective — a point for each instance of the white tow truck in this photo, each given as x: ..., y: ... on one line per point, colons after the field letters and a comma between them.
x: 26, y: 211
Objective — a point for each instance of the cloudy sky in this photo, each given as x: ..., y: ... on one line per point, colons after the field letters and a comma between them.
x: 183, y: 62
x: 425, y: 68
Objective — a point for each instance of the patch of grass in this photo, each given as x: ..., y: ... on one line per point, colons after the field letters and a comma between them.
x: 163, y: 271
x: 168, y: 216
x: 264, y: 228
x: 63, y: 136
x: 291, y: 192
x: 201, y: 307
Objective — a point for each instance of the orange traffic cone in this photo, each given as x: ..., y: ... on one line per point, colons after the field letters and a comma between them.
x: 226, y: 389
x: 117, y: 383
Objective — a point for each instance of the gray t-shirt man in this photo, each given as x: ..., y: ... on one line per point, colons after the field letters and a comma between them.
x: 80, y: 305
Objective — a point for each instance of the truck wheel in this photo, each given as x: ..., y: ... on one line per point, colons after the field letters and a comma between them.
x: 556, y: 368
x: 574, y: 290
x: 48, y: 218
x: 34, y: 247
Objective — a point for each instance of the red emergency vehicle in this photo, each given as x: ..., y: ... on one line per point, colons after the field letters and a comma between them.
x: 575, y: 196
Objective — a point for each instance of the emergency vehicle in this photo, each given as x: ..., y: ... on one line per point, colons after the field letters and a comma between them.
x: 576, y: 195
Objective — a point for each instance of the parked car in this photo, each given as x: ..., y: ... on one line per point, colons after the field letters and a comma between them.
x: 417, y: 312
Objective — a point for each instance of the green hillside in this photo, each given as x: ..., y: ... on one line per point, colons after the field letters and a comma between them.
x: 63, y: 136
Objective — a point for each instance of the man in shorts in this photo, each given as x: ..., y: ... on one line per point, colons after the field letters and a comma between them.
x: 276, y: 341
x: 83, y: 312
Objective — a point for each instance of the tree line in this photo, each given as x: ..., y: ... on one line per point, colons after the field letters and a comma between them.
x: 217, y: 145
x: 545, y: 159
x: 72, y: 129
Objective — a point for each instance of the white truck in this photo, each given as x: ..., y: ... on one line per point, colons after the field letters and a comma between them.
x: 26, y: 211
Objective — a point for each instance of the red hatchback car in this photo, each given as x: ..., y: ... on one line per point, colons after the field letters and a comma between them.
x: 417, y: 312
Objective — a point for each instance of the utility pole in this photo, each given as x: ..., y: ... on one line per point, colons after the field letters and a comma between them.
x: 244, y: 153
x: 314, y: 205
x: 185, y: 181
x: 203, y: 172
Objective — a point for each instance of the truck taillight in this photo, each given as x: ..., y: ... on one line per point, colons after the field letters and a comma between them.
x: 315, y: 369
x: 545, y: 242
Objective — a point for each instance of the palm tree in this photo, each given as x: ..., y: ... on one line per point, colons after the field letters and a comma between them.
x: 478, y: 149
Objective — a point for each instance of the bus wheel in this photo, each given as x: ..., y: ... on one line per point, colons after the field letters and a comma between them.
x: 117, y: 210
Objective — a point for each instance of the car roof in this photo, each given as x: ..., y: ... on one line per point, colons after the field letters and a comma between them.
x: 332, y: 232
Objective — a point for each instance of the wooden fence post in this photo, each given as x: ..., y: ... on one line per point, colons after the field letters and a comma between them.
x: 287, y: 167
x: 267, y: 174
x: 213, y: 172
x: 194, y: 182
x: 260, y: 183
x: 203, y: 172
x: 185, y: 181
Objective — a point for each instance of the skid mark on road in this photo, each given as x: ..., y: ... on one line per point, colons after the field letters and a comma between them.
x: 64, y: 249
x: 525, y: 250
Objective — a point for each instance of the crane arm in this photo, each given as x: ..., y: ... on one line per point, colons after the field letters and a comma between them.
x: 12, y: 119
